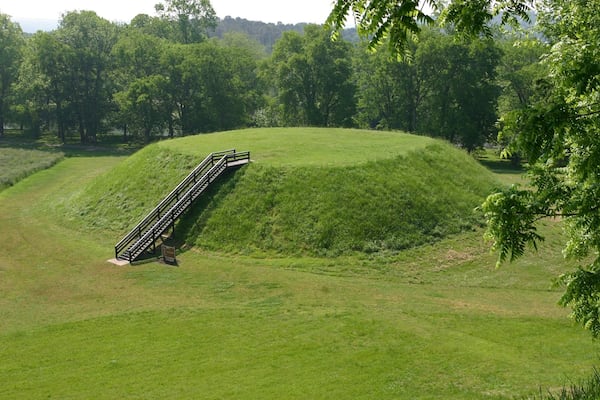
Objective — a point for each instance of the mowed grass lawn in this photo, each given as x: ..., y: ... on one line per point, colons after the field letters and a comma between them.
x: 434, y: 322
x: 304, y: 146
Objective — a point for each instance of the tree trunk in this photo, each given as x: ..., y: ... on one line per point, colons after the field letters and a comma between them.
x: 1, y: 117
x: 147, y: 132
x: 60, y: 125
x: 81, y: 130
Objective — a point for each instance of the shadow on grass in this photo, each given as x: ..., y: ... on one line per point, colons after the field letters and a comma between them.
x: 107, y: 145
x: 500, y: 166
x: 193, y: 222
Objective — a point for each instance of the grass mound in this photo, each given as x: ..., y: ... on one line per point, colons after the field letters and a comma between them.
x: 304, y: 146
x: 392, y: 204
x: 358, y: 192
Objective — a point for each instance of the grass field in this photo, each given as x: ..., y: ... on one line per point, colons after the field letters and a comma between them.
x: 437, y: 321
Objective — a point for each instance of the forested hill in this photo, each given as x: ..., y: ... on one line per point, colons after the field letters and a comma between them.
x: 265, y: 33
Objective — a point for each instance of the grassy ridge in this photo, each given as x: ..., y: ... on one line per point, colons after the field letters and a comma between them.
x: 119, y: 199
x: 304, y: 146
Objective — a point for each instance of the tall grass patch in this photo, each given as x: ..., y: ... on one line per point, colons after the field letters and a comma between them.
x: 16, y: 164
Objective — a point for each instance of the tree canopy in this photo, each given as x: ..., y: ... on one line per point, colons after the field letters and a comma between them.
x: 449, y: 90
x: 91, y: 79
x: 557, y: 132
x: 396, y: 21
x: 192, y: 18
x: 11, y: 46
x: 313, y: 77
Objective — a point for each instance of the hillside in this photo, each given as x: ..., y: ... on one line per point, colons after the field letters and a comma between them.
x: 434, y: 322
x: 308, y: 191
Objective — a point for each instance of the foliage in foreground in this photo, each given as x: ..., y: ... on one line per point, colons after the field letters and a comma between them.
x: 588, y: 389
x: 378, y: 20
x: 558, y: 134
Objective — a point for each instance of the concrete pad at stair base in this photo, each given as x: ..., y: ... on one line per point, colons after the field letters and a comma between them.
x: 118, y: 262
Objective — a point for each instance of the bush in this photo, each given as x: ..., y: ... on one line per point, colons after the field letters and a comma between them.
x: 586, y: 390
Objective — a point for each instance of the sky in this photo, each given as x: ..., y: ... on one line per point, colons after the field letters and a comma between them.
x: 285, y: 11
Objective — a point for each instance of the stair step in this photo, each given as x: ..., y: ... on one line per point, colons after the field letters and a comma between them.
x: 181, y: 198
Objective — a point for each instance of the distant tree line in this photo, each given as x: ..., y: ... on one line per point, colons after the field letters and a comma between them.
x: 267, y: 34
x: 165, y: 75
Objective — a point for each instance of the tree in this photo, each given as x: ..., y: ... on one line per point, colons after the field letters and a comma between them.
x: 448, y: 90
x: 50, y: 61
x: 153, y: 26
x: 192, y: 19
x: 144, y: 105
x: 459, y: 89
x: 30, y: 106
x: 139, y: 83
x: 558, y: 134
x: 11, y: 46
x: 313, y: 78
x: 89, y: 39
x: 389, y: 91
x: 519, y: 73
x: 395, y: 21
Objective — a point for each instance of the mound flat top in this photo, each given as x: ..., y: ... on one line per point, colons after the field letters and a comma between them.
x: 304, y: 146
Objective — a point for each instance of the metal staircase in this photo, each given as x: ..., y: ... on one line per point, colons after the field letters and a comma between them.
x: 145, y: 234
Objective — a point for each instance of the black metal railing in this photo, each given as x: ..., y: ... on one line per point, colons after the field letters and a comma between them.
x: 150, y: 228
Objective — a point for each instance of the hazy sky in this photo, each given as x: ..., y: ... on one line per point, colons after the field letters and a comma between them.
x: 286, y: 11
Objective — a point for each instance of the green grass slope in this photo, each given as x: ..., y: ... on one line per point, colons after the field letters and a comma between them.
x: 391, y: 204
x: 308, y: 191
x: 117, y: 200
x: 434, y: 322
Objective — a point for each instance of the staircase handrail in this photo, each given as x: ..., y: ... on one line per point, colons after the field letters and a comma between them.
x: 165, y: 204
x: 208, y: 176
